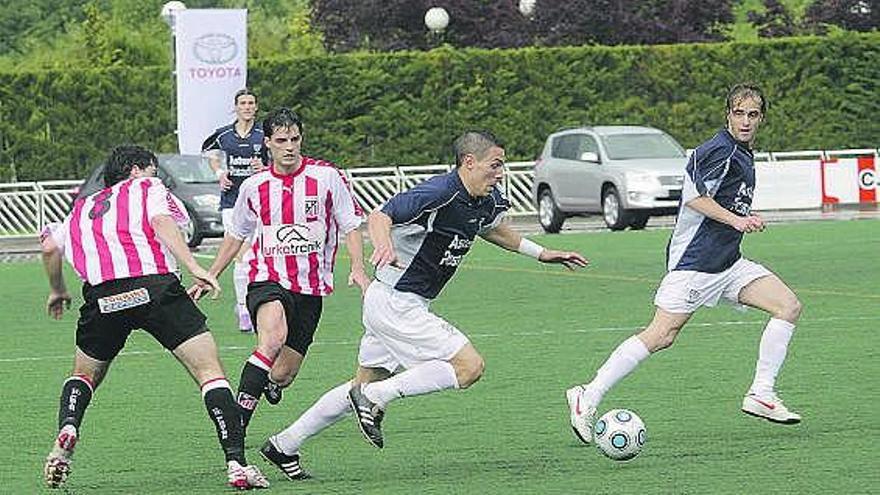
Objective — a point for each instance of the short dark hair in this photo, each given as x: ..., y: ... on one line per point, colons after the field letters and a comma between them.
x: 280, y: 119
x: 122, y: 159
x: 242, y: 92
x: 475, y: 143
x: 745, y: 90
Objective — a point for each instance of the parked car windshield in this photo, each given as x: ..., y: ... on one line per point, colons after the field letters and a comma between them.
x: 630, y: 146
x: 191, y: 169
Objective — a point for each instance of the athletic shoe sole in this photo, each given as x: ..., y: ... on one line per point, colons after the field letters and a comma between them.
x: 790, y: 421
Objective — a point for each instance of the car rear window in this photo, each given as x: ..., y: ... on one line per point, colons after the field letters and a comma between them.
x: 630, y: 146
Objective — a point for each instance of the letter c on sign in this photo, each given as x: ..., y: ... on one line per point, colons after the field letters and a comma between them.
x: 867, y: 178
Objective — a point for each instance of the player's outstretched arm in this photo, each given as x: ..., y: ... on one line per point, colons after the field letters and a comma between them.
x: 169, y: 234
x: 509, y: 239
x: 228, y: 250
x: 59, y: 298
x: 568, y: 259
x: 379, y: 226
x: 354, y: 242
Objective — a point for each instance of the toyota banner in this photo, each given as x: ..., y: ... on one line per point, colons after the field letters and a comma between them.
x: 211, y: 55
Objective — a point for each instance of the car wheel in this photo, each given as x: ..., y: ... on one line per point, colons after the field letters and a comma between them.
x: 616, y: 218
x: 192, y: 234
x: 638, y: 221
x: 549, y: 216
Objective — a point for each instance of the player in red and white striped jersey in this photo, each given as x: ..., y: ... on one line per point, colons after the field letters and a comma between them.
x: 296, y: 211
x: 122, y: 242
x: 109, y: 236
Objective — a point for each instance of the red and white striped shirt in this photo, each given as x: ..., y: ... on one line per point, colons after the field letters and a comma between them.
x: 297, y: 219
x: 108, y: 236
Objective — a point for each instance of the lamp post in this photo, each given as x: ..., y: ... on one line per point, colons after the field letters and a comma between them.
x: 169, y: 14
x: 436, y: 20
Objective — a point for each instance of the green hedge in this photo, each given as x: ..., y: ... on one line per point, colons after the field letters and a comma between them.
x: 405, y: 108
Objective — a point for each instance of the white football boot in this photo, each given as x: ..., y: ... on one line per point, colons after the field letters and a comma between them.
x: 57, y: 467
x: 770, y: 408
x: 583, y: 414
x: 245, y: 477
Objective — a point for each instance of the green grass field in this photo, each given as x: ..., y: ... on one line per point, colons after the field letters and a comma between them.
x: 540, y: 330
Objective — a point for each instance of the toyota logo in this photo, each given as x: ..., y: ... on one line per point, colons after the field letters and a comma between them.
x: 215, y: 48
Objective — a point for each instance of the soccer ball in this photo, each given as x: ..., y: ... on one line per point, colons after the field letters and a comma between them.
x: 620, y: 434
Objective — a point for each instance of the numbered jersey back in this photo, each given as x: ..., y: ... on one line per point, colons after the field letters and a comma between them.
x: 108, y: 235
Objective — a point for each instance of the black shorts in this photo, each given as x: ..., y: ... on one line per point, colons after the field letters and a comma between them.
x: 169, y: 315
x: 302, y: 311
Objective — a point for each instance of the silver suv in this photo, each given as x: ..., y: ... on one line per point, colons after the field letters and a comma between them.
x: 626, y: 173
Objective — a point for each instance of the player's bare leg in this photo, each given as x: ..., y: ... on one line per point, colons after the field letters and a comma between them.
x: 282, y: 374
x: 76, y: 393
x: 199, y: 356
x: 583, y: 400
x: 772, y: 295
x: 271, y: 335
x: 240, y: 282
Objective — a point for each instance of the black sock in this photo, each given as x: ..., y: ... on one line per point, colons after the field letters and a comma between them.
x: 76, y: 393
x: 224, y: 412
x: 250, y: 387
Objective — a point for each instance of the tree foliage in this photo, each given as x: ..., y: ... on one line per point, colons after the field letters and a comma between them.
x: 853, y: 15
x: 617, y: 22
x: 821, y: 16
x: 385, y: 25
x: 54, y: 34
x: 405, y: 107
x: 775, y: 21
x: 399, y: 24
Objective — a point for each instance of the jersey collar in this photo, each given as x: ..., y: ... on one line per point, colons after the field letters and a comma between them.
x: 725, y: 133
x: 249, y: 132
x: 289, y: 177
x: 465, y: 194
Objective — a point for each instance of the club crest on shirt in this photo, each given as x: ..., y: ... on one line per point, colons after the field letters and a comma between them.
x: 311, y: 208
x: 292, y: 239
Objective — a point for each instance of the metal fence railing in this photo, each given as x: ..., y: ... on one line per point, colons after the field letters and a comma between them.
x: 25, y: 207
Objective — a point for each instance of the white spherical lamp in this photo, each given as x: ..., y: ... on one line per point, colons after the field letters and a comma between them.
x: 436, y: 19
x: 170, y: 9
x: 527, y: 7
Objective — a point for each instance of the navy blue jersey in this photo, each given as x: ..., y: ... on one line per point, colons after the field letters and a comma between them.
x: 433, y: 227
x: 724, y: 170
x: 240, y: 150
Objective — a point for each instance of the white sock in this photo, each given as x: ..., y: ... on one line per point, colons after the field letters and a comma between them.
x: 330, y: 408
x: 620, y: 363
x: 240, y: 280
x: 425, y: 378
x: 771, y: 354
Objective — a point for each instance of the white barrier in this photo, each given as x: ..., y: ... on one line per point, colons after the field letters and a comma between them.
x: 790, y: 185
x: 786, y: 180
x: 25, y: 207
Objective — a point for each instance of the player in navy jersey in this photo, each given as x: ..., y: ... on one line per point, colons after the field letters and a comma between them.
x: 241, y: 146
x: 420, y: 237
x: 123, y: 242
x: 705, y: 266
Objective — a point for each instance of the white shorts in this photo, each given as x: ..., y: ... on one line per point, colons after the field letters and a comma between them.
x: 226, y: 216
x: 683, y: 291
x: 400, y: 331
